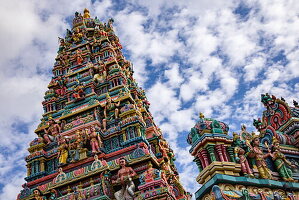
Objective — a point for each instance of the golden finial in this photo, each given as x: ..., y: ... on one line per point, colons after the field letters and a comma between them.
x: 86, y: 13
x: 201, y: 115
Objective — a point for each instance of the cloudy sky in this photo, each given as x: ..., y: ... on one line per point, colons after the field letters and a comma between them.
x: 209, y: 56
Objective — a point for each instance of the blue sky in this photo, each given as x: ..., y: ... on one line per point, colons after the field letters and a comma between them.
x: 208, y: 56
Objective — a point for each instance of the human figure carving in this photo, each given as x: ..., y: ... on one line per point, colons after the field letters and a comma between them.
x: 52, y: 131
x: 281, y: 162
x: 95, y: 140
x: 240, y: 155
x: 110, y: 111
x: 257, y: 154
x: 62, y: 151
x: 124, y: 177
x: 100, y: 72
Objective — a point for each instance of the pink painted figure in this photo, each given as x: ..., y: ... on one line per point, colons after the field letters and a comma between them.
x: 125, y: 175
x: 243, y: 161
x: 95, y: 140
x: 52, y: 131
x: 240, y: 156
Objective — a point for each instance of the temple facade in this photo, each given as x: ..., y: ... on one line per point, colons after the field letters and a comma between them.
x: 97, y: 138
x: 249, y: 166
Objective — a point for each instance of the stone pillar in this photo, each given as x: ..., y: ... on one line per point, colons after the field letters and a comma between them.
x: 205, y: 156
x: 230, y: 151
x: 203, y: 164
x: 198, y: 163
x: 211, y: 152
x: 219, y: 152
x: 224, y: 153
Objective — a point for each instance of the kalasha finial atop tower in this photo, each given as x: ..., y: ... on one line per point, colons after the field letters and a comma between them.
x: 201, y: 115
x: 86, y: 13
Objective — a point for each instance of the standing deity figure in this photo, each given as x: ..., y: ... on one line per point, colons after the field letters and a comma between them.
x: 95, y: 140
x: 124, y: 177
x: 257, y: 154
x: 163, y: 147
x: 51, y: 131
x: 110, y: 111
x: 62, y: 151
x: 240, y: 155
x: 281, y: 162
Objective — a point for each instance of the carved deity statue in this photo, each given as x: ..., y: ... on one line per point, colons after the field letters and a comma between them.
x: 163, y: 147
x: 240, y: 155
x: 95, y: 140
x: 124, y: 177
x: 281, y: 162
x: 62, y: 151
x: 100, y: 72
x: 257, y: 154
x: 78, y: 91
x: 52, y: 131
x: 110, y: 111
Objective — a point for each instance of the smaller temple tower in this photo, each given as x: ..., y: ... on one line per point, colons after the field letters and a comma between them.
x: 245, y: 165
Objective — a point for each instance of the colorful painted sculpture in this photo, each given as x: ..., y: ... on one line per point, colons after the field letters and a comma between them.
x: 95, y: 140
x: 281, y: 162
x: 63, y: 151
x: 51, y: 131
x: 110, y: 111
x: 259, y: 157
x: 124, y: 177
x: 241, y: 155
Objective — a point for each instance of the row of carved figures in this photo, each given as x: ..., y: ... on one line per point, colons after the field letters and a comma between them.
x: 250, y: 150
x: 125, y: 176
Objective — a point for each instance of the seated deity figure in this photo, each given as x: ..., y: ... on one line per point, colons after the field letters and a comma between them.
x: 51, y: 132
x: 281, y: 162
x: 60, y: 177
x: 100, y: 72
x: 110, y: 111
x: 124, y: 177
x: 257, y: 154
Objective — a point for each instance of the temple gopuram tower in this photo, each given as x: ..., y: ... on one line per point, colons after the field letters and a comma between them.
x: 97, y: 138
x: 249, y: 166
